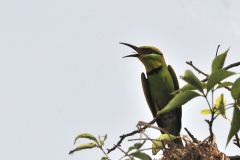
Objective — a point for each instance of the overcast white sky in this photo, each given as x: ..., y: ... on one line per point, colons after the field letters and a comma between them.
x: 62, y: 73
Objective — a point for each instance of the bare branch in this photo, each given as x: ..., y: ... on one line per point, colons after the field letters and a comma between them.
x: 130, y: 134
x: 192, y: 137
x: 225, y: 68
x: 237, y: 141
x: 125, y: 153
x: 217, y: 50
x: 199, y: 71
x: 232, y: 65
x: 204, y: 80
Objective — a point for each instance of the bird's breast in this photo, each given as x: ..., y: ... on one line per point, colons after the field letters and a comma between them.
x: 161, y: 86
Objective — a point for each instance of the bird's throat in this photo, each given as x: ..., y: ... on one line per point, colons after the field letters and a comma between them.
x: 151, y: 65
x: 154, y: 71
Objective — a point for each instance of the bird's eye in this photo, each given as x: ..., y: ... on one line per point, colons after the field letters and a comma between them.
x: 147, y: 50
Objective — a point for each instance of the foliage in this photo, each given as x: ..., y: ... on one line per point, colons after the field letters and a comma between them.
x: 133, y: 151
x: 214, y: 83
x: 193, y: 89
x: 158, y: 143
x: 96, y: 143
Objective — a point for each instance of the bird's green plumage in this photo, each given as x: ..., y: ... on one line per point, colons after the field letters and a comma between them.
x: 161, y: 81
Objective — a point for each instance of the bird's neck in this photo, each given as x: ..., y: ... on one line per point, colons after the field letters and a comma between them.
x: 153, y: 63
x: 154, y: 71
x: 153, y: 66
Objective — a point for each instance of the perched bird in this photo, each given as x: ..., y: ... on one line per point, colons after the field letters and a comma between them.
x: 160, y: 83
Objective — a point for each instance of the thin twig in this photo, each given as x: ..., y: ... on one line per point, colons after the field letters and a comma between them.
x: 125, y: 153
x: 234, y: 157
x: 237, y: 141
x: 232, y: 65
x: 204, y: 80
x: 210, y: 123
x: 130, y: 134
x: 141, y: 123
x: 191, y: 136
x: 139, y: 127
x: 215, y: 110
x: 152, y: 126
x: 225, y: 68
x: 199, y: 71
x: 103, y: 151
x: 217, y: 50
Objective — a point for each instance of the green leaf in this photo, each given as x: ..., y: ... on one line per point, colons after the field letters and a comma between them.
x: 190, y: 78
x: 235, y: 91
x: 136, y: 146
x: 139, y: 145
x: 157, y: 144
x: 101, y: 142
x: 206, y: 111
x: 238, y: 103
x: 141, y: 155
x: 224, y: 84
x: 218, y: 61
x: 178, y: 100
x: 131, y: 148
x: 235, y: 125
x: 189, y: 87
x: 216, y: 77
x: 204, y: 85
x: 104, y: 158
x: 219, y: 107
x: 105, y: 137
x: 86, y: 135
x: 83, y: 146
x: 168, y: 137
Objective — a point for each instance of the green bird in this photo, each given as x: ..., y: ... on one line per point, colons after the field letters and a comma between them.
x: 161, y: 81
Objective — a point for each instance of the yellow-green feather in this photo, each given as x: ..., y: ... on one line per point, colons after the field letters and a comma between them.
x: 158, y: 88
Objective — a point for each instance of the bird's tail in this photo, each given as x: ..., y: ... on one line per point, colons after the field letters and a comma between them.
x: 179, y: 141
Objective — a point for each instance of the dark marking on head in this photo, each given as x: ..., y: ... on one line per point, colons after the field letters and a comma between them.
x: 148, y: 50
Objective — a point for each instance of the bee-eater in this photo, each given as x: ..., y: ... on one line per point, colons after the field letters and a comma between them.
x: 161, y: 81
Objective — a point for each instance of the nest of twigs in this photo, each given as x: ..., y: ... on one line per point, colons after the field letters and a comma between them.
x: 205, y: 150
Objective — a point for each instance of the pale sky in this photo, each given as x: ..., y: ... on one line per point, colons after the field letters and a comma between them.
x: 62, y: 71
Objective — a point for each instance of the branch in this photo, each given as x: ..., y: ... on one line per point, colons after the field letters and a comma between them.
x: 210, y: 128
x: 234, y: 157
x: 199, y: 71
x: 225, y: 68
x: 237, y: 141
x: 130, y: 134
x: 125, y: 153
x: 191, y: 136
x: 217, y: 50
x: 232, y: 65
x: 204, y: 80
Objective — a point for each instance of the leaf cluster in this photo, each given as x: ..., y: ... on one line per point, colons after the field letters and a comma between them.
x: 196, y: 88
x: 95, y: 143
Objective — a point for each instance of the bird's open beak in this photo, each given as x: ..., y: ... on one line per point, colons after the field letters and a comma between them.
x: 133, y: 47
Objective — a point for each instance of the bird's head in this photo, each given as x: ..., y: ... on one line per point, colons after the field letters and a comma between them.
x: 150, y: 56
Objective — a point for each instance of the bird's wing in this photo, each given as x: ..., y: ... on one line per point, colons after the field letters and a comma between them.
x: 148, y: 96
x: 176, y: 86
x: 174, y: 77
